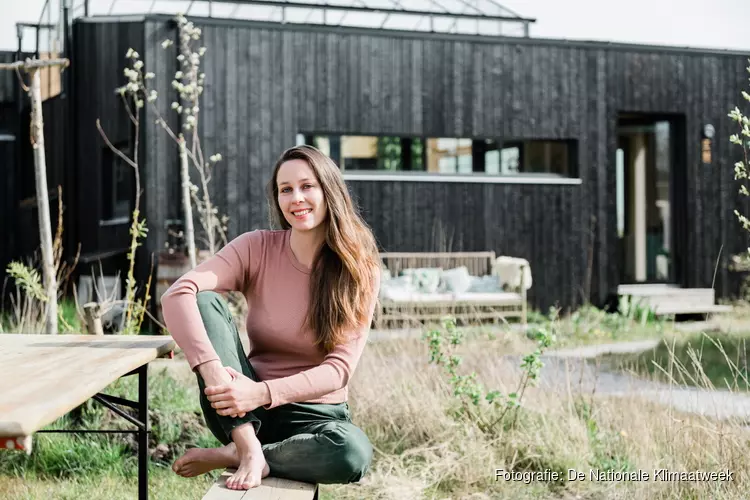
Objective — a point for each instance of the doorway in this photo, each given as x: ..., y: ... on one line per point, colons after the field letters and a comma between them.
x: 646, y: 160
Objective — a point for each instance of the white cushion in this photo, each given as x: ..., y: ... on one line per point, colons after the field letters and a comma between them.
x: 455, y: 280
x: 495, y: 297
x: 425, y: 279
x: 406, y: 296
x: 508, y: 272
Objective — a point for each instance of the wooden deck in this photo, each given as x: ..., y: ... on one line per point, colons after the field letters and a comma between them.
x: 669, y: 300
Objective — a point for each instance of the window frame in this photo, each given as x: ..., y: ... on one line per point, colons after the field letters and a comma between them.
x: 476, y: 176
x: 109, y: 160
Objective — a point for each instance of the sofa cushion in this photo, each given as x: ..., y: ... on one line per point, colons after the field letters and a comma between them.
x: 410, y: 296
x: 492, y: 297
x: 455, y: 280
x: 484, y: 284
x: 424, y: 279
x: 396, y: 287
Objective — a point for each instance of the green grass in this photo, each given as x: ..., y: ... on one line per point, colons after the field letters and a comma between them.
x: 176, y: 421
x: 589, y: 325
x: 68, y: 320
x: 706, y: 359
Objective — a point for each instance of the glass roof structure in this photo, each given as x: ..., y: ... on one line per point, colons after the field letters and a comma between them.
x: 472, y: 17
x: 478, y: 17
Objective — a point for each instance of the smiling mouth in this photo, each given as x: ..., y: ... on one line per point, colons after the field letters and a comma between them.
x: 300, y: 213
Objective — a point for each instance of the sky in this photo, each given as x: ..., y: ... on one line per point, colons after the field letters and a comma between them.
x: 720, y: 24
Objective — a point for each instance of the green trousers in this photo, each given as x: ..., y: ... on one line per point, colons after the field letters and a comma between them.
x: 314, y: 443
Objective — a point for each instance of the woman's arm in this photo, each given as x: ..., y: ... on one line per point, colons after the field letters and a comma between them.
x: 231, y: 269
x: 334, y: 371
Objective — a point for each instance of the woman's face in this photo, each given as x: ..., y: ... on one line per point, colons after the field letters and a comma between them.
x: 300, y: 196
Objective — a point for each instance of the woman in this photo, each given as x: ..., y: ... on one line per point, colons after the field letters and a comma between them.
x: 311, y: 289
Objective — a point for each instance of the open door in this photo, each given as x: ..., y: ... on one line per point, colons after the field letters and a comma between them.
x: 645, y: 166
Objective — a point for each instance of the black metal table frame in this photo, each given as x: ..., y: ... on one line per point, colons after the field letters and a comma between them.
x: 141, y: 422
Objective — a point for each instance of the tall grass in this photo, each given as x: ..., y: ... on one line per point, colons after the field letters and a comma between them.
x: 424, y: 447
x: 424, y: 451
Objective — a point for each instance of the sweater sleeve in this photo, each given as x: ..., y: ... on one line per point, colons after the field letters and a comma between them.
x: 231, y: 269
x: 334, y: 371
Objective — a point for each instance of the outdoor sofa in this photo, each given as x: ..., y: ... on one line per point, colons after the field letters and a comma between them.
x: 470, y: 286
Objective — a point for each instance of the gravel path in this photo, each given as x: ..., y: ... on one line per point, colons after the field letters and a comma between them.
x: 573, y: 367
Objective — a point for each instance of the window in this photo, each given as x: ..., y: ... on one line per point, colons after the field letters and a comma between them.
x: 117, y: 186
x: 449, y: 155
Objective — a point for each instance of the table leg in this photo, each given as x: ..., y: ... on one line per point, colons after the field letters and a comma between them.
x: 143, y: 433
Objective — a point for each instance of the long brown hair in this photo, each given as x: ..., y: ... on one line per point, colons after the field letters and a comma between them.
x: 341, y: 281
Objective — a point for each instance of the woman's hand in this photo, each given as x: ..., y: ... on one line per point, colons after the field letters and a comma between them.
x: 238, y: 397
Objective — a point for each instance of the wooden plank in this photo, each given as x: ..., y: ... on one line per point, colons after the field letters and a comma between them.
x: 34, y: 395
x: 271, y: 488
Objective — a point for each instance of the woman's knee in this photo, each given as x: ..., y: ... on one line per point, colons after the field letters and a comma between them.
x: 354, y: 453
x: 209, y: 302
x: 214, y: 312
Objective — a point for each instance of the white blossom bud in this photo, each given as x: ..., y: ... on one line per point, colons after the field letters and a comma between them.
x: 138, y: 64
x: 195, y: 109
x: 138, y: 103
x: 166, y: 43
x: 202, y: 51
x: 178, y: 75
x: 135, y: 55
x: 180, y: 57
x: 152, y: 96
x: 175, y: 105
x: 149, y: 75
x: 129, y: 53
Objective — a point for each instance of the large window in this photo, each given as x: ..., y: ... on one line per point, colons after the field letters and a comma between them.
x: 448, y: 155
x: 117, y: 188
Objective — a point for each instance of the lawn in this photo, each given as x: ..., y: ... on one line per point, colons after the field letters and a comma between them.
x: 716, y: 360
x: 430, y: 439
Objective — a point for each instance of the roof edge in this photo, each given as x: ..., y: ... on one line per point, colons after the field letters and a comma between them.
x: 488, y: 39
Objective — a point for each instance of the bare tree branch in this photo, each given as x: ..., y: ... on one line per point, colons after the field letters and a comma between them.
x: 127, y: 108
x: 114, y: 149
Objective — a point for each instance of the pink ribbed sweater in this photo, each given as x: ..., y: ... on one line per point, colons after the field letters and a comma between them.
x: 262, y: 266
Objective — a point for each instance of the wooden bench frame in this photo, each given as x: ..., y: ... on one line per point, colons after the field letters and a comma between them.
x: 270, y: 488
x: 478, y: 264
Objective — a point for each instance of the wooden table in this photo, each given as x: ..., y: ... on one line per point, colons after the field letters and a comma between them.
x: 43, y: 377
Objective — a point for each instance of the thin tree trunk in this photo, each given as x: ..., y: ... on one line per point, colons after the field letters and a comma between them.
x: 45, y: 227
x: 186, y: 204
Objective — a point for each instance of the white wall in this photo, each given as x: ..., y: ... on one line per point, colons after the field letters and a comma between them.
x: 693, y: 23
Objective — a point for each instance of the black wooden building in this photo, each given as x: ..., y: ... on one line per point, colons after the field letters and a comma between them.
x: 599, y: 163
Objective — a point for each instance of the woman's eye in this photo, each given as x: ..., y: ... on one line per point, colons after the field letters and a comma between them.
x: 307, y: 186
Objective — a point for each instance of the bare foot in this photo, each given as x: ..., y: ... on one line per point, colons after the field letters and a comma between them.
x: 197, y: 461
x: 252, y: 464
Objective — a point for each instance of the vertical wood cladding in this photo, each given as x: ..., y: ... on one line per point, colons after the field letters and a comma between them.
x: 265, y: 83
